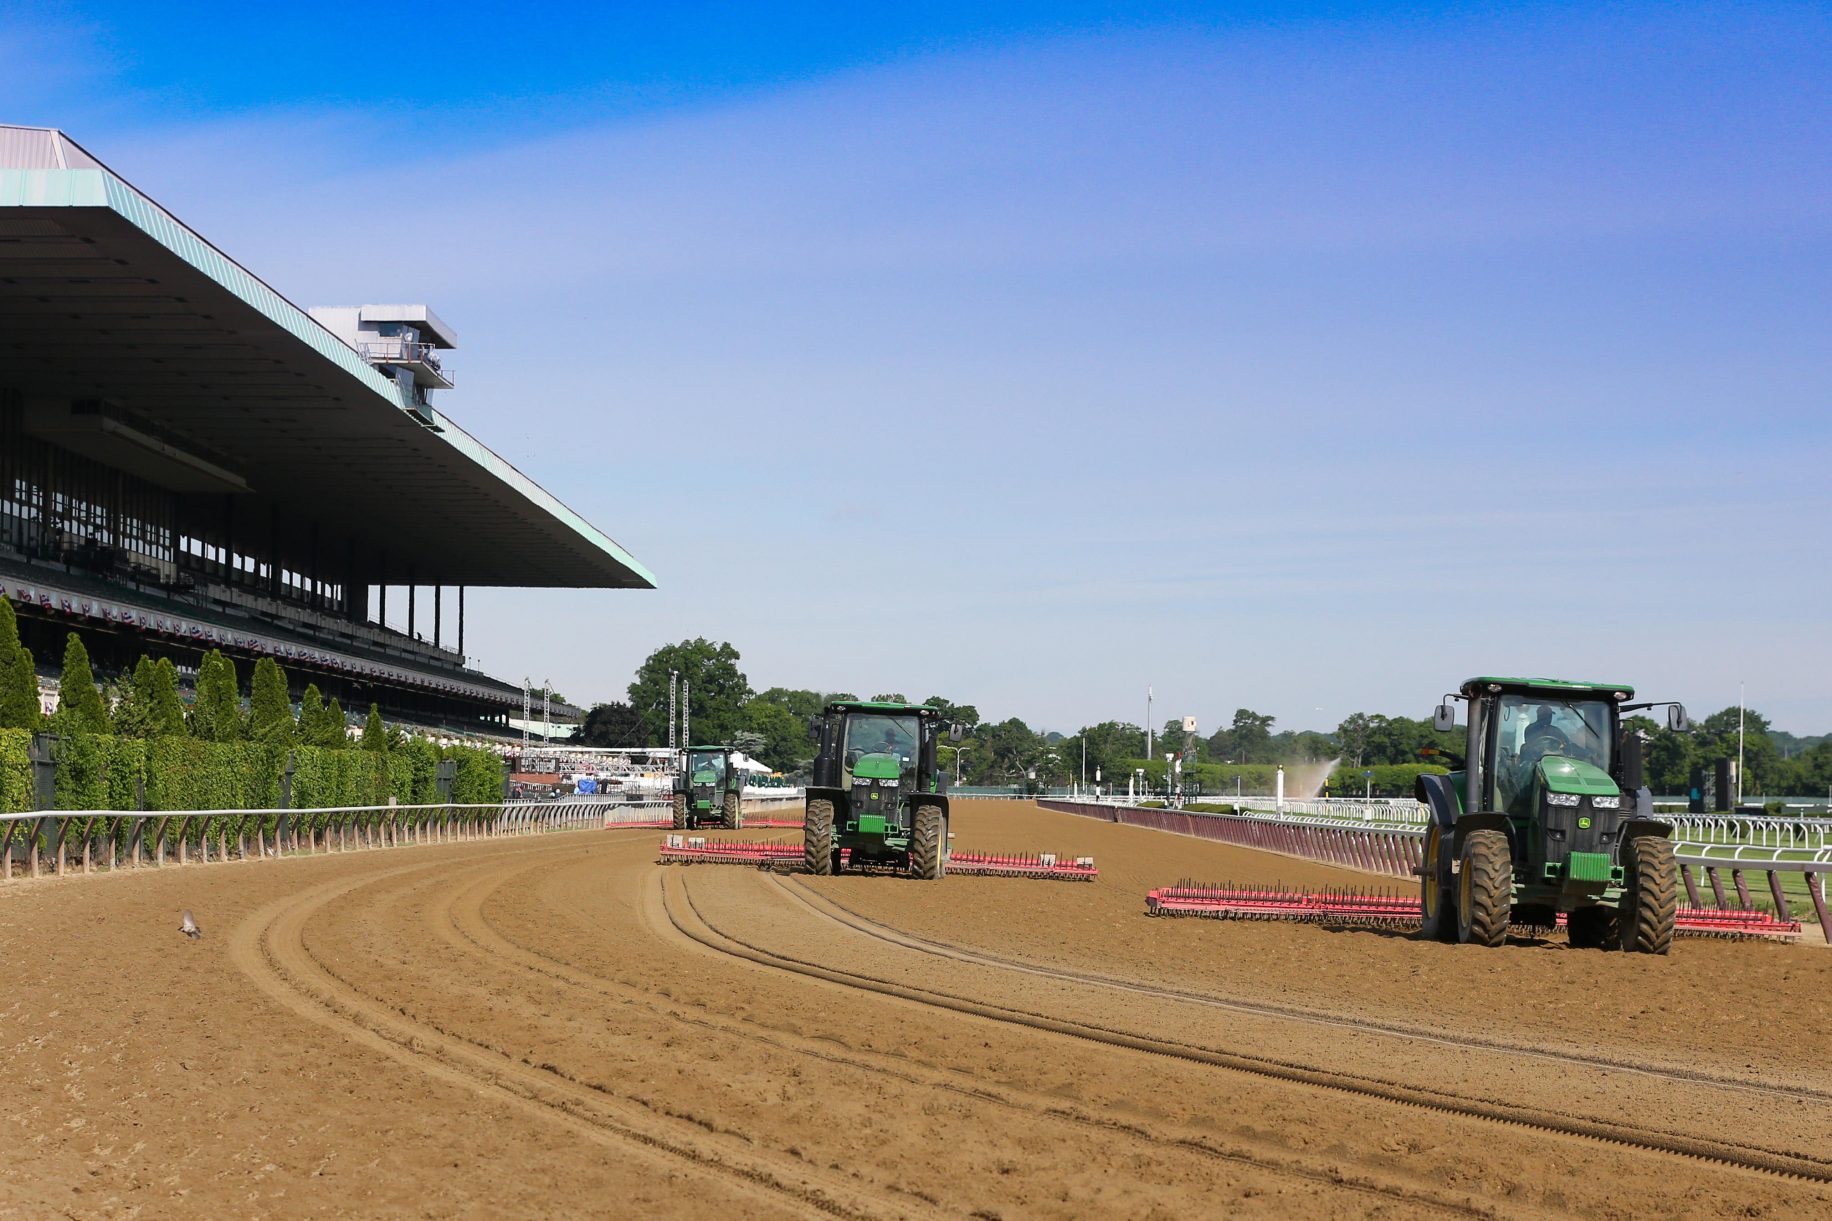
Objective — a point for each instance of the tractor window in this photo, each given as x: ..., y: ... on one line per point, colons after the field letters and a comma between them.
x: 706, y: 766
x: 873, y: 734
x: 1529, y: 728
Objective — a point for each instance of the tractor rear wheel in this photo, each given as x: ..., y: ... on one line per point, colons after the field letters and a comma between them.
x: 1591, y: 928
x: 928, y: 844
x: 680, y: 811
x: 1436, y: 905
x: 817, y: 837
x: 734, y: 813
x: 1485, y: 889
x: 1650, y: 899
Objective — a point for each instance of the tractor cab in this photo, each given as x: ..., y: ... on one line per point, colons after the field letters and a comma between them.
x: 878, y: 793
x: 1551, y: 797
x: 708, y: 789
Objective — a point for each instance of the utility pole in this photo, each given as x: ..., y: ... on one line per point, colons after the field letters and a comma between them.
x: 527, y: 709
x: 1739, y: 744
x: 547, y: 712
x: 673, y: 683
x: 686, y: 714
x: 1148, y: 720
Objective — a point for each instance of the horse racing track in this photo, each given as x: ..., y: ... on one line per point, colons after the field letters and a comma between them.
x: 558, y: 1024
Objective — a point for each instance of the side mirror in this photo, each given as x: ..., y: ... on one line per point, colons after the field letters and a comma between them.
x: 1676, y: 718
x: 955, y: 732
x: 1444, y: 720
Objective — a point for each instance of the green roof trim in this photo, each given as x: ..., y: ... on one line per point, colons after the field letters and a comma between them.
x: 1548, y: 684
x: 868, y: 705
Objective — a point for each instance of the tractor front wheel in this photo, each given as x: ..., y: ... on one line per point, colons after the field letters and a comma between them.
x: 817, y: 837
x: 1650, y: 899
x: 928, y: 845
x: 1485, y: 889
x: 680, y: 811
x: 734, y: 813
x: 1438, y: 909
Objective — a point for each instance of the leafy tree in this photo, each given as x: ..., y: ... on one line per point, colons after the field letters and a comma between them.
x: 79, y: 701
x: 270, y: 712
x: 747, y: 742
x: 785, y: 744
x: 618, y: 724
x: 336, y: 727
x: 1352, y: 736
x: 800, y: 704
x: 133, y: 708
x: 1716, y: 738
x: 311, y: 715
x: 217, y: 714
x: 964, y: 715
x: 895, y: 697
x: 375, y: 733
x: 717, y: 688
x: 18, y: 678
x: 165, y: 711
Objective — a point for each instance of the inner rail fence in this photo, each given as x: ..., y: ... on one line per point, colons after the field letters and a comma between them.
x: 1706, y: 847
x: 42, y: 842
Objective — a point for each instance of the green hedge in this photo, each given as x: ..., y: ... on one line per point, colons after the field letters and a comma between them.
x: 17, y: 793
x: 100, y: 772
x: 480, y: 775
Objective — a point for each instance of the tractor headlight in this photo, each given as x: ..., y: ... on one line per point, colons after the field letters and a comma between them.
x: 1562, y: 799
x: 1606, y: 803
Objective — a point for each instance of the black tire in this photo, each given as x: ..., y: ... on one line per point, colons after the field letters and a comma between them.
x: 817, y: 837
x: 1485, y: 889
x: 680, y: 811
x: 1437, y: 903
x: 928, y: 844
x: 1591, y: 928
x: 733, y: 819
x: 1650, y: 899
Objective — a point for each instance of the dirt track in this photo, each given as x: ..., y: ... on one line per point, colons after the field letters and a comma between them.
x: 558, y: 1025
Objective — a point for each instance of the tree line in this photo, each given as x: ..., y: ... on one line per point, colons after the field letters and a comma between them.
x: 772, y: 726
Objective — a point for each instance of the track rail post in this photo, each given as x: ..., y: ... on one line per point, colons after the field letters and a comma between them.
x: 1817, y: 890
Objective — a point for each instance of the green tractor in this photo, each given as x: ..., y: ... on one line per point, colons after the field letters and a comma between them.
x: 877, y: 790
x: 708, y: 790
x: 1547, y: 814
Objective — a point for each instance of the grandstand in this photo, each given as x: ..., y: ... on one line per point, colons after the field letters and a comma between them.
x: 189, y: 461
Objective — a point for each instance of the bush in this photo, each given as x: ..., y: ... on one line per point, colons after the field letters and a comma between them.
x: 18, y: 793
x: 480, y: 776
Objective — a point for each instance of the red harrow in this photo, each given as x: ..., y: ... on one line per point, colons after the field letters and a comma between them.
x: 662, y: 824
x: 681, y: 849
x: 1358, y: 907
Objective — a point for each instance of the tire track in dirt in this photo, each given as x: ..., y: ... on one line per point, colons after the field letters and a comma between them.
x: 832, y: 909
x: 466, y: 925
x: 269, y: 947
x: 687, y: 917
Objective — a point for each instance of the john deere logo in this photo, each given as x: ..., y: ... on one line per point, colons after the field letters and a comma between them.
x: 1583, y: 824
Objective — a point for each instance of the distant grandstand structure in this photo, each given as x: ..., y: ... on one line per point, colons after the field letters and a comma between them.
x: 189, y: 461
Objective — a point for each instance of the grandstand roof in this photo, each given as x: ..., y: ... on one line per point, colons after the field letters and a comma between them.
x: 214, y: 381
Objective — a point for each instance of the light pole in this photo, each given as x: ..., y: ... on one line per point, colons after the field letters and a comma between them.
x: 958, y: 752
x: 1148, y: 720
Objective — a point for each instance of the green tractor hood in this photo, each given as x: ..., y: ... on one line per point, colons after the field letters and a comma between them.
x: 877, y: 767
x: 1561, y: 775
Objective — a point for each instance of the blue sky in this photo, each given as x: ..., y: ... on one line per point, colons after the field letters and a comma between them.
x: 1299, y: 357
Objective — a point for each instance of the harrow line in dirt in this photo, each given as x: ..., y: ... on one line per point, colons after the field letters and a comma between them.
x: 832, y: 909
x: 270, y: 949
x: 1784, y: 1164
x: 465, y: 920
